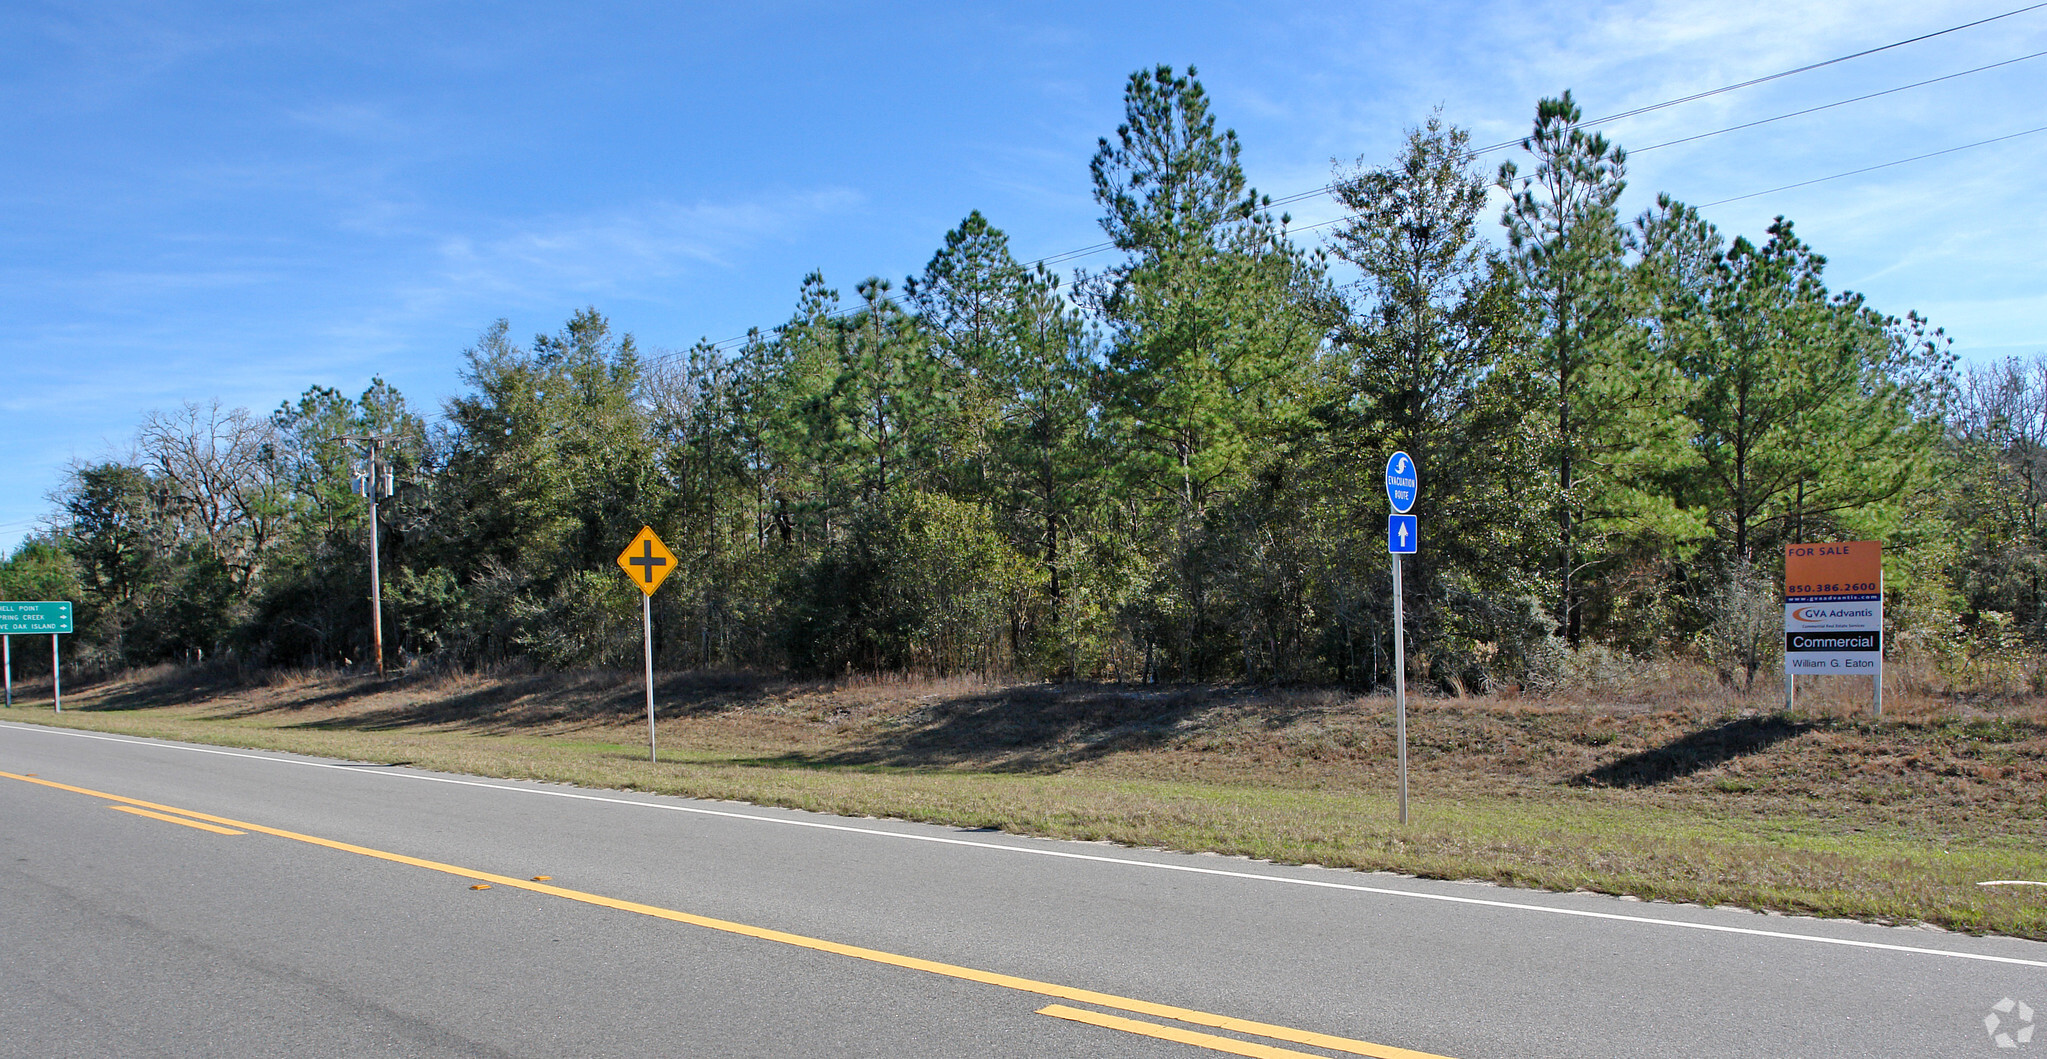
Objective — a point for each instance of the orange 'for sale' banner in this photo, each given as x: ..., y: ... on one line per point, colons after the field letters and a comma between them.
x: 1814, y: 572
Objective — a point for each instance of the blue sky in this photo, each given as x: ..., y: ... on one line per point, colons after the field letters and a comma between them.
x: 238, y: 201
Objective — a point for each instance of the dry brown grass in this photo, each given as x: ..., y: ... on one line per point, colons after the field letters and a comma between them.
x: 1652, y: 781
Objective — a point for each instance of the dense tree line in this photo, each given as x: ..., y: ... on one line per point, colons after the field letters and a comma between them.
x: 1168, y: 468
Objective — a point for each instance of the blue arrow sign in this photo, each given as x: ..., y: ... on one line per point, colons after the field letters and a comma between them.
x: 1402, y: 483
x: 1403, y: 533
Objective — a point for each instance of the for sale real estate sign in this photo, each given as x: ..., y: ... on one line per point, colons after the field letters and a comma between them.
x: 1834, y: 608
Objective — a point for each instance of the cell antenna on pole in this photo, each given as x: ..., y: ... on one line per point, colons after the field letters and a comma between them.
x: 366, y: 483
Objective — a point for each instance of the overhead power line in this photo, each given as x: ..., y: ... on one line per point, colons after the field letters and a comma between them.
x: 1752, y: 82
x: 1802, y: 183
x: 1301, y: 196
x: 1840, y: 103
x: 1874, y: 168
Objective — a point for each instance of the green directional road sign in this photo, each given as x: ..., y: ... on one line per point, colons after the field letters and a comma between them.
x: 41, y: 617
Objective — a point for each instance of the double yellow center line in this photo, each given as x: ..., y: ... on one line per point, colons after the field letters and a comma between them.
x: 1233, y: 1046
x: 169, y: 819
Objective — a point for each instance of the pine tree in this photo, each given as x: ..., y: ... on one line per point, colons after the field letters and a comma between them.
x: 1802, y: 410
x: 1020, y: 361
x: 1426, y: 363
x: 1568, y: 257
x: 1214, y: 322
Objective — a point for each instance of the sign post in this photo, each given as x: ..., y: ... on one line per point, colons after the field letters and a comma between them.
x: 27, y: 618
x: 1403, y: 536
x: 1834, y: 614
x: 647, y: 562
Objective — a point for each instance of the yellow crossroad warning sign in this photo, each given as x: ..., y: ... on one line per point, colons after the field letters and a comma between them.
x: 647, y: 561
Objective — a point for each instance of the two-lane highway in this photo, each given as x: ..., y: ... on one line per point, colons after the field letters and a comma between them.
x: 166, y: 899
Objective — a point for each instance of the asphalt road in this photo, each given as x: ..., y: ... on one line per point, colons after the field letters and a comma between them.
x: 342, y: 921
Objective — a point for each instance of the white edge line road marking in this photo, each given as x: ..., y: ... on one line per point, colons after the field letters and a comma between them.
x: 1063, y: 854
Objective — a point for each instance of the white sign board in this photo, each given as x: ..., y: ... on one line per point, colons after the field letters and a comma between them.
x: 1838, y: 637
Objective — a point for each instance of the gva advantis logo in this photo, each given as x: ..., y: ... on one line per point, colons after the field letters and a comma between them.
x: 1832, y: 613
x: 2009, y: 1032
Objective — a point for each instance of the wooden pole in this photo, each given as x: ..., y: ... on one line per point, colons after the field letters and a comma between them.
x: 376, y: 576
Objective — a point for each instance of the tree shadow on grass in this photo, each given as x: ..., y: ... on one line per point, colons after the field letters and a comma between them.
x: 1027, y: 728
x: 164, y: 686
x: 186, y: 685
x: 1039, y: 728
x: 549, y: 699
x: 1694, y: 753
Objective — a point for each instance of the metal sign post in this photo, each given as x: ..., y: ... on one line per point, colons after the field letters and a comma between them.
x: 1403, y: 536
x: 647, y: 562
x: 647, y: 637
x: 1400, y: 682
x: 51, y: 616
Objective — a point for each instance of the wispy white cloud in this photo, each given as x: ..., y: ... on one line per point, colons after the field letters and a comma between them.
x: 111, y: 52
x: 356, y: 119
x: 624, y: 250
x: 2013, y: 323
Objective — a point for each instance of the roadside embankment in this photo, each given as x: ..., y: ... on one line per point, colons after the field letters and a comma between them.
x: 1704, y: 796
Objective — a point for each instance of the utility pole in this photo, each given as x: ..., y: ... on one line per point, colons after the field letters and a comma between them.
x: 369, y: 485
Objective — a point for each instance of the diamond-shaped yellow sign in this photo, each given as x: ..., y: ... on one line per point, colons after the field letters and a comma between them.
x: 647, y: 561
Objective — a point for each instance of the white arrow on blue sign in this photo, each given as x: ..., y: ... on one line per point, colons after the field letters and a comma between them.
x: 1403, y: 533
x: 1402, y: 483
x: 42, y: 616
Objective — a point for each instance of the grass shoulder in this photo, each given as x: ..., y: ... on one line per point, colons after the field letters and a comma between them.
x: 1714, y: 800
